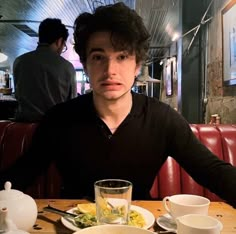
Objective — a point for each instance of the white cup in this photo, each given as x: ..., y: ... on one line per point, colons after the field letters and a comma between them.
x: 198, y: 224
x: 183, y: 204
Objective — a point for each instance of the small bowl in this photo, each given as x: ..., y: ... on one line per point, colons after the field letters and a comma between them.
x: 114, y: 229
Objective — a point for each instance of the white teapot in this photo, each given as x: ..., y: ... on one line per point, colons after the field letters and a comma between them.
x: 21, y: 208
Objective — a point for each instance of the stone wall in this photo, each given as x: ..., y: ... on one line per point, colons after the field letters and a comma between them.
x: 221, y: 99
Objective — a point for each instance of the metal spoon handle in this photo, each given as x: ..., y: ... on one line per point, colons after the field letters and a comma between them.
x: 57, y: 211
x: 167, y: 231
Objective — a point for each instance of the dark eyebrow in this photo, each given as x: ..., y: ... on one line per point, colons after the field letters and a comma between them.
x: 96, y: 50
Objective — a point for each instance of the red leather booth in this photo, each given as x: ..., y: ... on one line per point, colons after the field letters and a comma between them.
x: 172, y: 179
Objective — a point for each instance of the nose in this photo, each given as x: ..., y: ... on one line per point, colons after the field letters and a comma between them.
x: 111, y: 66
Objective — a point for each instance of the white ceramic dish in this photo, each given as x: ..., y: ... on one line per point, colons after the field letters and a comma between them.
x: 165, y: 221
x: 113, y: 229
x: 148, y: 216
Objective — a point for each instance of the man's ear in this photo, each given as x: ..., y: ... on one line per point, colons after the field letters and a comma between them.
x: 59, y: 42
x: 137, y: 69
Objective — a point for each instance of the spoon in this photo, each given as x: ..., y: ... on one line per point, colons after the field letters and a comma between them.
x: 167, y: 231
x: 105, y: 202
x: 168, y: 219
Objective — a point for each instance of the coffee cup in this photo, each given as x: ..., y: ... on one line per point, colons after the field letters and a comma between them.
x: 183, y: 204
x: 198, y: 224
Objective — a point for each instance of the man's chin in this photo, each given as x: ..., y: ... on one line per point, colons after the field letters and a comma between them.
x: 112, y: 95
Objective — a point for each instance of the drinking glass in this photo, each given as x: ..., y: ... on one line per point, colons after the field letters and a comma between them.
x: 113, y: 199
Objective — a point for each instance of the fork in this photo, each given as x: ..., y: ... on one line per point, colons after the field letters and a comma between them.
x: 57, y: 211
x: 167, y: 231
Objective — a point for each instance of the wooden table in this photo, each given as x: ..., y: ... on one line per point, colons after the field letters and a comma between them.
x: 49, y: 223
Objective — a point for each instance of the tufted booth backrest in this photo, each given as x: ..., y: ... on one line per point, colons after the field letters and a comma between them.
x: 172, y: 179
x: 14, y: 140
x: 15, y: 137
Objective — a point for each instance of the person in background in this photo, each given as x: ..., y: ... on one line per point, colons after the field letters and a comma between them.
x: 43, y: 77
x: 112, y: 132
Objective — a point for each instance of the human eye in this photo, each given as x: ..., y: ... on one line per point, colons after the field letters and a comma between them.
x: 97, y: 57
x: 122, y: 56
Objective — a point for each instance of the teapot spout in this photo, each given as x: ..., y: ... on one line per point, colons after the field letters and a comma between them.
x: 6, y: 224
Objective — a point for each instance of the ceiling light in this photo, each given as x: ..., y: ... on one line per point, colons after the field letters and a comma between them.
x: 144, y: 76
x: 175, y: 36
x: 3, y: 57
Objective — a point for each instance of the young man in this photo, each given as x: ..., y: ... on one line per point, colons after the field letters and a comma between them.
x: 112, y: 132
x: 42, y: 77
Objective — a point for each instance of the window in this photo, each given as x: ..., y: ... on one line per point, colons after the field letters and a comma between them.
x: 82, y: 82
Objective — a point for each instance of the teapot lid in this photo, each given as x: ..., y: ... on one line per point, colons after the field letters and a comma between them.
x: 9, y: 194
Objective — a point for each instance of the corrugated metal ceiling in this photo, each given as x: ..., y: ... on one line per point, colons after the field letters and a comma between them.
x: 160, y: 16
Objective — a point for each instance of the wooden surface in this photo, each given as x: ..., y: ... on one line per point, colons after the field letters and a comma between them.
x: 49, y: 223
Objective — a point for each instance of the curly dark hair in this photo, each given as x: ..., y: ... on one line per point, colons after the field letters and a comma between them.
x: 126, y: 26
x: 51, y: 29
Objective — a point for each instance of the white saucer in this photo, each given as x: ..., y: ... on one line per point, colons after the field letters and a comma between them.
x: 166, y: 222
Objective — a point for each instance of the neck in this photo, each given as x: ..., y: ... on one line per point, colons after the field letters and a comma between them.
x: 113, y: 112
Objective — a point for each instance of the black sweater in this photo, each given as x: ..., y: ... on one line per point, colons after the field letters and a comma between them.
x: 84, y: 150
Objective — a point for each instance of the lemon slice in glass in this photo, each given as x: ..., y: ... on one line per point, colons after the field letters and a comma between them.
x: 102, y: 203
x: 87, y: 208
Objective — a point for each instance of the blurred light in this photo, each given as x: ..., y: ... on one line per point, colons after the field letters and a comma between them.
x: 3, y: 57
x: 175, y: 36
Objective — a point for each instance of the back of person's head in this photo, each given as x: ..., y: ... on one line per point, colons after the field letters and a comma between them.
x: 126, y: 26
x: 52, y: 29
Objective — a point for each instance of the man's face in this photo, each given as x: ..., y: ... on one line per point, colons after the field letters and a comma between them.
x: 111, y: 73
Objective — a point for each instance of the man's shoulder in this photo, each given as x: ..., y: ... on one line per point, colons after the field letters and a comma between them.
x: 146, y: 101
x: 72, y: 108
x: 24, y: 58
x: 66, y: 62
x: 25, y: 55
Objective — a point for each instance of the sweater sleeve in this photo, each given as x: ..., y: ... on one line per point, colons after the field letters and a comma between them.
x: 205, y: 168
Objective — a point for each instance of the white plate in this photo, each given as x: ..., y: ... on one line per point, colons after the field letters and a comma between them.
x: 166, y: 222
x: 147, y: 215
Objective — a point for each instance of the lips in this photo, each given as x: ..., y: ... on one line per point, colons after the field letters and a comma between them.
x: 111, y: 85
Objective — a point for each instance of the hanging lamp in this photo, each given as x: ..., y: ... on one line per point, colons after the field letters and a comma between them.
x: 144, y: 76
x: 3, y: 57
